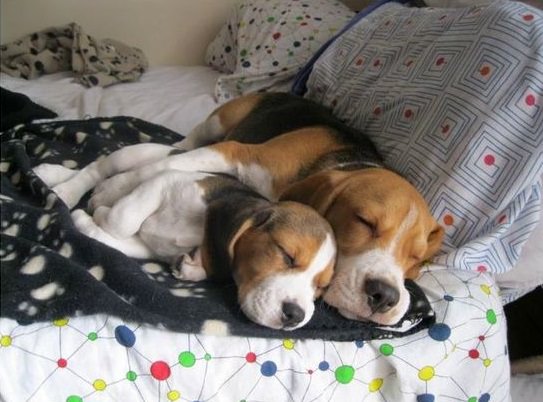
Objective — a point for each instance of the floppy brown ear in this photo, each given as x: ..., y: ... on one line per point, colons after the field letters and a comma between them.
x: 318, y: 190
x: 257, y: 219
x: 435, y: 238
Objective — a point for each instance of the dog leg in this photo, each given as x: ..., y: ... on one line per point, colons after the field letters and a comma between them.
x: 189, y: 268
x: 131, y: 246
x: 71, y: 190
x: 208, y: 132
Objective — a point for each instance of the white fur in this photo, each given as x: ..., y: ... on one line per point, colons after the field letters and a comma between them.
x: 263, y: 304
x: 346, y: 291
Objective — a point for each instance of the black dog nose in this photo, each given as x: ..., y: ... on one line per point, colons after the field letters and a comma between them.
x: 381, y: 296
x: 292, y: 314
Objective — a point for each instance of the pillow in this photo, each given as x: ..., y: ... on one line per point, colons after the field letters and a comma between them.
x: 453, y: 99
x: 265, y: 42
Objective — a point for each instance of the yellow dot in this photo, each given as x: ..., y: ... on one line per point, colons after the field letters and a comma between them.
x: 375, y: 384
x: 60, y: 322
x: 487, y: 362
x: 5, y: 341
x: 288, y: 344
x: 173, y: 395
x: 486, y: 289
x: 99, y: 384
x: 426, y: 373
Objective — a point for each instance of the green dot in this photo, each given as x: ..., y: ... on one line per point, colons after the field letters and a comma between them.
x: 243, y: 52
x: 271, y: 19
x: 131, y: 375
x: 299, y: 18
x: 74, y: 398
x: 491, y: 316
x: 92, y: 336
x: 207, y: 357
x: 187, y: 359
x: 344, y: 374
x: 472, y: 399
x: 386, y: 349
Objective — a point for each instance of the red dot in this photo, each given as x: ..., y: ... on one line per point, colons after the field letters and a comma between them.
x: 303, y: 24
x: 250, y: 357
x: 445, y: 129
x: 408, y: 113
x: 442, y: 17
x: 530, y: 100
x: 160, y: 370
x: 309, y: 371
x: 528, y: 17
x: 481, y: 268
x: 376, y: 63
x: 474, y: 353
x: 408, y: 63
x: 276, y: 35
x: 359, y: 62
x: 440, y: 61
x: 482, y: 337
x: 62, y: 362
x: 485, y: 70
x: 377, y: 111
x: 448, y: 220
x: 489, y: 160
x: 502, y: 219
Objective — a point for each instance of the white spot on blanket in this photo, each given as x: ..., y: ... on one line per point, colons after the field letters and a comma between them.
x: 152, y: 268
x: 66, y: 250
x: 27, y: 308
x: 80, y: 137
x: 215, y: 327
x: 5, y: 198
x: 97, y: 271
x: 47, y: 291
x: 10, y: 257
x: 43, y: 222
x: 39, y: 149
x: 182, y: 292
x: 34, y: 266
x: 13, y: 230
x: 105, y: 125
x: 4, y: 167
x: 144, y: 137
x: 70, y: 164
x: 50, y: 201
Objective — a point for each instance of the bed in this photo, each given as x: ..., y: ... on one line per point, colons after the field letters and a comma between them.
x: 460, y: 354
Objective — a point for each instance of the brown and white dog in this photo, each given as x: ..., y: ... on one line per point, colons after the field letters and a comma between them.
x: 286, y: 147
x: 280, y: 254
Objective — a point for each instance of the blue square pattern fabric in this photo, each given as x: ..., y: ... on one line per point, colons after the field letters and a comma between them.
x: 453, y: 100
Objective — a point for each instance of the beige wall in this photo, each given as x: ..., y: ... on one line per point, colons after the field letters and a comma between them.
x: 168, y: 31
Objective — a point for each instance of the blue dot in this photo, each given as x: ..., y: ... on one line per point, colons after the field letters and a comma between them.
x: 485, y: 397
x: 448, y: 298
x: 268, y: 368
x: 125, y: 336
x: 425, y: 398
x: 324, y: 365
x: 359, y: 343
x: 439, y: 332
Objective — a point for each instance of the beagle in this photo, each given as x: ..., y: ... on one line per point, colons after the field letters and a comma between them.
x: 281, y: 255
x: 290, y: 148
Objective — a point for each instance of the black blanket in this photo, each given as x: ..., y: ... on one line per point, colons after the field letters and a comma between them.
x: 50, y: 270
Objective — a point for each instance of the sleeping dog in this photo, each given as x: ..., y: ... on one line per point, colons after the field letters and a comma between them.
x: 281, y: 255
x: 287, y: 147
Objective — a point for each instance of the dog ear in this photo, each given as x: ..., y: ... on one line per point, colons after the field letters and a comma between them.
x: 318, y: 191
x: 256, y: 220
x: 435, y: 238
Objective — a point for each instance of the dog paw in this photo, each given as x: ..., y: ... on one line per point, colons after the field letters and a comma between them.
x: 189, y: 268
x: 83, y: 222
x: 52, y: 174
x: 67, y: 195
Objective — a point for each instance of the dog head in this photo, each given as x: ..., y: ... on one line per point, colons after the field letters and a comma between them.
x: 384, y: 231
x: 282, y: 258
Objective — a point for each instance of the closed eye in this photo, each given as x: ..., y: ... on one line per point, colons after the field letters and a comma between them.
x: 372, y: 226
x: 287, y: 258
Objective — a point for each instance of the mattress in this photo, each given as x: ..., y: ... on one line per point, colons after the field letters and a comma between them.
x: 463, y: 356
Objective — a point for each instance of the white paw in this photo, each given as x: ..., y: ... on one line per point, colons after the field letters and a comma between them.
x: 189, y: 268
x: 111, y: 190
x: 84, y: 223
x: 67, y: 194
x: 52, y: 174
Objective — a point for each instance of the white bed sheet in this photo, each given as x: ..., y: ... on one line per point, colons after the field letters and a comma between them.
x: 176, y: 97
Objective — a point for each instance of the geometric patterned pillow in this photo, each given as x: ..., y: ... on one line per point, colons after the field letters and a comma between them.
x: 453, y: 99
x: 265, y: 42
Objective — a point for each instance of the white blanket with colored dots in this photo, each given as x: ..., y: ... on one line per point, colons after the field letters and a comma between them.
x: 462, y: 357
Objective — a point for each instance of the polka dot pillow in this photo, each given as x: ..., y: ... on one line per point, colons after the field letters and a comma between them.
x: 265, y: 42
x: 453, y: 99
